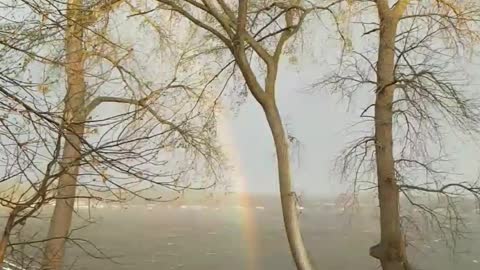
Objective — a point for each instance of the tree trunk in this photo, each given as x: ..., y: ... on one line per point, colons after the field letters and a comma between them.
x: 3, y: 248
x: 287, y: 195
x: 74, y: 118
x: 391, y: 250
x: 6, y: 237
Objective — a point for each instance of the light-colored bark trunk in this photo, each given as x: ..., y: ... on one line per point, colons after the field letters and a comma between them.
x: 287, y: 195
x: 74, y: 114
x: 391, y: 249
x: 266, y: 98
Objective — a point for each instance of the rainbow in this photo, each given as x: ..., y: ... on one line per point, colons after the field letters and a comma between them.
x: 249, y: 228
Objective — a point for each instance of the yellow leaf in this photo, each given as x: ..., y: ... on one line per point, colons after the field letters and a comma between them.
x: 43, y: 88
x: 104, y: 176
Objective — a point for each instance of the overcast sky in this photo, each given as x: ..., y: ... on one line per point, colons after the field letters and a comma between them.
x: 320, y: 121
x: 316, y: 118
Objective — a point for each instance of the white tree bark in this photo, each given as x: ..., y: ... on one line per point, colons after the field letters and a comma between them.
x: 287, y: 194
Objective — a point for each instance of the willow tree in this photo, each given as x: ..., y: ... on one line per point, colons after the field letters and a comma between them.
x: 255, y: 34
x: 420, y: 95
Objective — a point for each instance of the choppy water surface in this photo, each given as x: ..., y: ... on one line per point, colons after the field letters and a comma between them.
x: 237, y: 238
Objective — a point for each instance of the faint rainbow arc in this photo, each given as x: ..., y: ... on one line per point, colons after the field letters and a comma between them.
x: 249, y: 228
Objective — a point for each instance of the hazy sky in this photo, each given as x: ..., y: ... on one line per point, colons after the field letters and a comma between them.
x: 320, y: 121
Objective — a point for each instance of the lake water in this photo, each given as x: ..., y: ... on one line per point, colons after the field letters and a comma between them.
x: 239, y: 238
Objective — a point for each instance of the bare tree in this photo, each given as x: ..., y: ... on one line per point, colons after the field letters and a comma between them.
x: 256, y: 34
x: 418, y: 88
x: 75, y: 117
x: 76, y: 114
x: 25, y: 129
x: 153, y: 122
